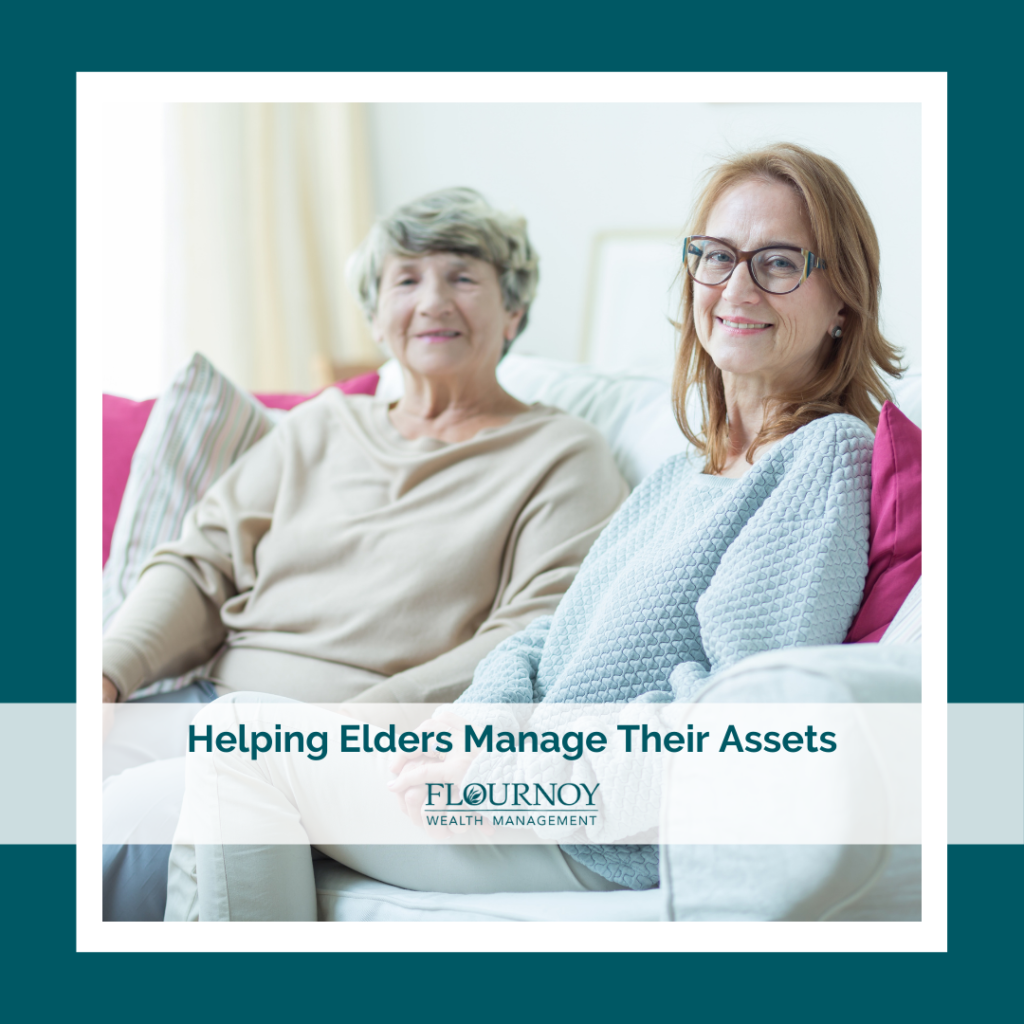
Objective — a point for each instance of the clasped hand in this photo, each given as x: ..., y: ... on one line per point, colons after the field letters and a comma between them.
x: 415, y: 771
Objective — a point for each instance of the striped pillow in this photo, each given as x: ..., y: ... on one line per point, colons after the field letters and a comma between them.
x: 906, y: 627
x: 197, y: 429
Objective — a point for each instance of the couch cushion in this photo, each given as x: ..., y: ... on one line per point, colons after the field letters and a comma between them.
x: 365, y: 384
x: 346, y: 895
x: 868, y: 674
x: 802, y: 882
x: 791, y: 883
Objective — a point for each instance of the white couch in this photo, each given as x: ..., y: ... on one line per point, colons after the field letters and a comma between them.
x: 698, y: 883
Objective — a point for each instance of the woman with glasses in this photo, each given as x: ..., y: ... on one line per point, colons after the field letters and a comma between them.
x: 757, y: 541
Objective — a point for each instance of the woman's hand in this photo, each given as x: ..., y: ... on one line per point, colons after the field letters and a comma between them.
x: 110, y: 692
x: 441, y: 721
x: 415, y: 771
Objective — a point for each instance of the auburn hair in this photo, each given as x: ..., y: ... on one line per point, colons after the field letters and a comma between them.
x: 850, y: 377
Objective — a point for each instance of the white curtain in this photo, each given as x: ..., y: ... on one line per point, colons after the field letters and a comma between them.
x: 265, y: 203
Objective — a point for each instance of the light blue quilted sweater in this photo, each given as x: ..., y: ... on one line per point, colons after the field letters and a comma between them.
x: 693, y: 574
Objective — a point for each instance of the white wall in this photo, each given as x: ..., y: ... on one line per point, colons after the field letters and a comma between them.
x: 132, y: 214
x: 573, y: 169
x: 578, y: 169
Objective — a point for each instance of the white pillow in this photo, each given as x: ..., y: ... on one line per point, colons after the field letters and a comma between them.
x: 634, y: 414
x: 907, y: 393
x: 906, y: 627
x: 198, y: 427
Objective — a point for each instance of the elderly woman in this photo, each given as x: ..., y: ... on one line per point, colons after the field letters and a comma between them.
x: 374, y: 551
x: 366, y: 551
x: 763, y: 545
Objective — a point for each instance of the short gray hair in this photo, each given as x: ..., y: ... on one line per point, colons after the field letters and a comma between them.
x: 451, y: 220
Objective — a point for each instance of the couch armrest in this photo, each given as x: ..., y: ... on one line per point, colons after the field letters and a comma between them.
x: 802, y: 882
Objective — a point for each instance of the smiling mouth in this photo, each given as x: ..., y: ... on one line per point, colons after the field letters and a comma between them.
x: 437, y: 336
x: 743, y: 325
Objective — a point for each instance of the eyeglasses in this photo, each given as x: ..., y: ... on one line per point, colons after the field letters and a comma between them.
x: 778, y: 269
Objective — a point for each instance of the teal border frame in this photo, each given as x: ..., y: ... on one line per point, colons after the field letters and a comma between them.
x: 46, y: 46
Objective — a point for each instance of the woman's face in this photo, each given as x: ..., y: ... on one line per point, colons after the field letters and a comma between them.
x: 442, y: 314
x: 772, y: 342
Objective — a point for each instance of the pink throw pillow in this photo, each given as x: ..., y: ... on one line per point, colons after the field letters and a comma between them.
x: 894, y: 559
x: 124, y: 421
x: 364, y: 385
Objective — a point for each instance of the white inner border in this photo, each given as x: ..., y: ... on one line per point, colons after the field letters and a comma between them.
x: 96, y: 89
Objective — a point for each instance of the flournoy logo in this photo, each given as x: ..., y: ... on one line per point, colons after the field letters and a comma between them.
x: 569, y: 804
x: 505, y: 795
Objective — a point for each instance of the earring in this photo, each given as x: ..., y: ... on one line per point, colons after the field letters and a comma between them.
x: 837, y: 333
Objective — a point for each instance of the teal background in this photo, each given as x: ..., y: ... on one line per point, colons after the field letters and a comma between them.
x: 976, y: 980
x: 46, y: 45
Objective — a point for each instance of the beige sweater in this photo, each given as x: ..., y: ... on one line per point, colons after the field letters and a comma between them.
x: 338, y: 560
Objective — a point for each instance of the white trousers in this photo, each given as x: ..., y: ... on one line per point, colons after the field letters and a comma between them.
x: 292, y: 803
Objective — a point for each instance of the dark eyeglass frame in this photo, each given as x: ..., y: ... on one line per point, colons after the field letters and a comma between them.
x: 811, y: 262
